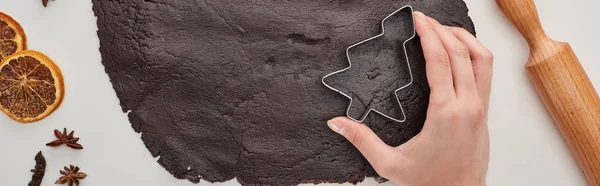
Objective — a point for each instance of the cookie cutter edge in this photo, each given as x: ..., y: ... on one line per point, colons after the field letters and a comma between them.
x: 396, y: 91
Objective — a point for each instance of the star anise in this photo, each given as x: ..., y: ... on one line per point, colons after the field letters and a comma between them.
x: 71, y: 176
x: 63, y: 138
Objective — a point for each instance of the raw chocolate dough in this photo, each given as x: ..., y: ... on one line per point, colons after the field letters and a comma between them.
x: 231, y: 89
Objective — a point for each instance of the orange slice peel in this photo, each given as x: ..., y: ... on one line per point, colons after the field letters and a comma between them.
x: 31, y: 86
x: 12, y: 36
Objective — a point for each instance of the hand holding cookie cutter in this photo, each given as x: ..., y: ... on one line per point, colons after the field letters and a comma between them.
x: 396, y: 91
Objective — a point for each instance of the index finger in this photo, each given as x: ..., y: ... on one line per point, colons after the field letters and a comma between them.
x: 439, y: 73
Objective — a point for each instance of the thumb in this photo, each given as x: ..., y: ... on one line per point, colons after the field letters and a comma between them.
x: 362, y: 137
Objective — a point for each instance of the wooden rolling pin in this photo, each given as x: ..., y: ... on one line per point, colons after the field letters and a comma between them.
x: 563, y: 85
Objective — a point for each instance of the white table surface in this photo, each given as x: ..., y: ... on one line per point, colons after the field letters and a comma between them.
x: 526, y: 147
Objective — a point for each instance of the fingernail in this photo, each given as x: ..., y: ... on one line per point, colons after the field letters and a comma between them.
x: 335, y: 126
x: 419, y: 15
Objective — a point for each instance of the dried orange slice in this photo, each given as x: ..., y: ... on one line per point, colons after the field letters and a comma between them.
x: 31, y: 86
x: 12, y: 37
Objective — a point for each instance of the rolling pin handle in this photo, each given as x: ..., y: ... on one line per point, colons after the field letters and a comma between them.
x: 523, y: 14
x: 563, y: 86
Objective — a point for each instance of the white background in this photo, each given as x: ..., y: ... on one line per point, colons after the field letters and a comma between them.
x: 526, y: 147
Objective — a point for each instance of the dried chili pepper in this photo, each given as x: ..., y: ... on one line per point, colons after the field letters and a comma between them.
x: 39, y: 170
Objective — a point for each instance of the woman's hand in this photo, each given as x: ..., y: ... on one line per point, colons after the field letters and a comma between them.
x: 453, y: 147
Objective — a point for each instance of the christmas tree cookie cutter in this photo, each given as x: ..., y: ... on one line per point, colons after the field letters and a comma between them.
x: 407, y: 7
